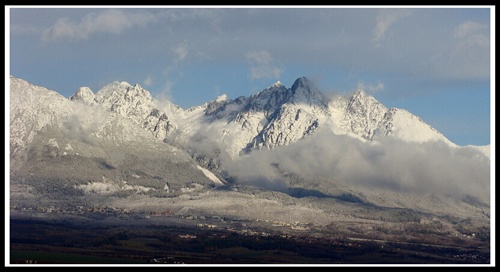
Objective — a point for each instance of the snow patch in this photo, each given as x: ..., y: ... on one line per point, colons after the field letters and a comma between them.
x: 53, y: 142
x: 107, y: 188
x: 211, y: 176
x: 194, y: 187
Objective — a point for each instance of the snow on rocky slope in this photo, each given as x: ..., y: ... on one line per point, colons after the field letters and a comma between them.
x: 279, y: 116
x: 129, y: 101
x: 275, y: 116
x: 87, y: 139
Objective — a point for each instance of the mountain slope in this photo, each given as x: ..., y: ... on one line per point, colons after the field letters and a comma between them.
x: 75, y: 149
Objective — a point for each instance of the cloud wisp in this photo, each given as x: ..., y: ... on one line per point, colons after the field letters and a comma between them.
x: 107, y: 21
x: 471, y: 35
x: 370, y: 88
x: 386, y: 18
x: 262, y: 65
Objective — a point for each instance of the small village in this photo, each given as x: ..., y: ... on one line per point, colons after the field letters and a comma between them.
x: 206, y: 221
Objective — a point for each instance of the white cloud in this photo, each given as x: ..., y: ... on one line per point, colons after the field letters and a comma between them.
x: 467, y: 28
x: 386, y: 18
x: 148, y: 81
x: 262, y: 65
x: 166, y: 92
x: 471, y: 35
x: 107, y: 21
x: 181, y: 51
x: 370, y: 88
x: 394, y: 165
x: 468, y: 53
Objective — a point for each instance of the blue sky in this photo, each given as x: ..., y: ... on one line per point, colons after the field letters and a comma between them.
x: 433, y: 62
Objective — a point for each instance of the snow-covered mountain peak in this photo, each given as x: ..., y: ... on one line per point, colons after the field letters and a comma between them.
x: 360, y: 92
x: 112, y: 91
x: 360, y: 96
x: 301, y: 82
x: 117, y: 88
x: 402, y: 124
x: 132, y: 102
x: 217, y: 105
x: 267, y: 99
x: 124, y: 84
x: 304, y: 92
x: 123, y: 94
x: 137, y: 92
x: 116, y: 85
x: 362, y: 114
x: 83, y: 95
x: 31, y: 110
x: 368, y: 118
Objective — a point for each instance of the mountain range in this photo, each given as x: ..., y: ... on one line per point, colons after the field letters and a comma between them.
x: 282, y: 153
x: 274, y: 117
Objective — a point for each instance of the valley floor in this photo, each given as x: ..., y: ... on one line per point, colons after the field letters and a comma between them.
x: 132, y: 239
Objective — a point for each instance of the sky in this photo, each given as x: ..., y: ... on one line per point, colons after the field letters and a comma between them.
x: 432, y: 61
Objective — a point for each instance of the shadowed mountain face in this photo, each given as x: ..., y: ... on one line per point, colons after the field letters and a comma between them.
x: 283, y: 153
x: 273, y: 117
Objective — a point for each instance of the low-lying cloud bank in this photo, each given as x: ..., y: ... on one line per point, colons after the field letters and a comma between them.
x: 390, y: 164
